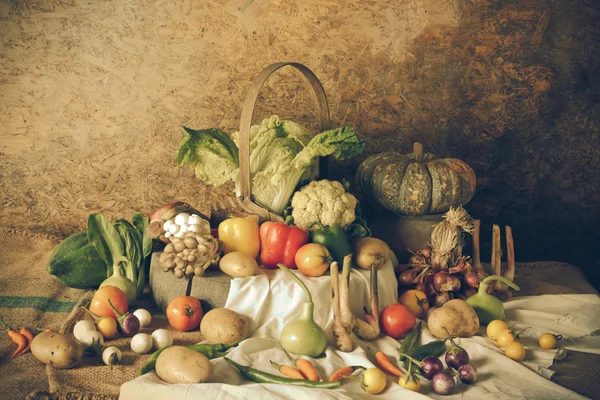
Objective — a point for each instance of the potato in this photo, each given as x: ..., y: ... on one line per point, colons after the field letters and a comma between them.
x: 369, y: 251
x: 457, y: 316
x: 57, y: 350
x: 222, y: 325
x: 178, y: 364
x: 238, y: 265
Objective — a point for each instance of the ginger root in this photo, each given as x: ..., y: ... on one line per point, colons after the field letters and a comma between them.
x: 344, y: 322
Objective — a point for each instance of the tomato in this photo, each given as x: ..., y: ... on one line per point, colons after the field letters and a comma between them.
x: 397, y: 320
x: 373, y: 380
x: 495, y: 328
x: 515, y: 350
x: 184, y: 313
x: 549, y: 341
x: 100, y: 306
x: 415, y: 301
x: 313, y: 259
x: 410, y: 382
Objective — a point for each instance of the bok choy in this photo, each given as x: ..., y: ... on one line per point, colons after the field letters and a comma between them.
x: 123, y: 244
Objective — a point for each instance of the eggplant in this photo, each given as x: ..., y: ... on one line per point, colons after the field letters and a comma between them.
x: 127, y: 323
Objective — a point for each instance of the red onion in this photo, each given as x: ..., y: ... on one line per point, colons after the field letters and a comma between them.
x: 471, y: 279
x: 444, y: 282
x: 407, y: 277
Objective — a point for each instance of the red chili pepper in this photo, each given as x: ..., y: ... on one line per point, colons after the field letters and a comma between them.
x: 279, y: 244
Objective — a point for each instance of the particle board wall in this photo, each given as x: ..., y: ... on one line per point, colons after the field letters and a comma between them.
x: 94, y: 92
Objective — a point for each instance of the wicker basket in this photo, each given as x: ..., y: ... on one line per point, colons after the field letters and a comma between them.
x: 244, y: 204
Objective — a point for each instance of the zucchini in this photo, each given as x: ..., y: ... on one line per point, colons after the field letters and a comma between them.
x: 75, y: 263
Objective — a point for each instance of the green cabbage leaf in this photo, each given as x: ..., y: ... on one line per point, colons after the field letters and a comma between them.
x: 282, y: 154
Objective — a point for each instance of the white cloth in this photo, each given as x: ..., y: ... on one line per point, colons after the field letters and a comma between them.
x: 272, y: 299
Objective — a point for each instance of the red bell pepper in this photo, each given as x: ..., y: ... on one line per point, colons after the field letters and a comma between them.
x: 279, y: 244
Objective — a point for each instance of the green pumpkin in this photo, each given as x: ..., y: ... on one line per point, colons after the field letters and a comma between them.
x: 416, y: 183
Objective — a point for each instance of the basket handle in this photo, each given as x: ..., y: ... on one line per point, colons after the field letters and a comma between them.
x: 248, y: 110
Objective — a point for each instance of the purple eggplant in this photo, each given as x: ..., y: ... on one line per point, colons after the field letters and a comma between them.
x: 456, y: 356
x: 430, y: 367
x: 467, y: 374
x: 443, y: 383
x: 127, y: 323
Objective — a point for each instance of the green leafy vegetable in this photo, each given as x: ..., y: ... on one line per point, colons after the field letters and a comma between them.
x: 122, y: 242
x: 282, y: 154
x: 105, y: 239
x: 132, y: 244
x: 141, y: 223
x: 212, y: 154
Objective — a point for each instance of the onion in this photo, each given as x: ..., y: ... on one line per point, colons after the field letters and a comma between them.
x: 407, y: 277
x: 471, y: 279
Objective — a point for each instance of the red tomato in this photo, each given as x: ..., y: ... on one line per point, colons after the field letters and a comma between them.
x: 396, y: 321
x: 184, y: 313
x: 100, y: 306
x: 313, y: 259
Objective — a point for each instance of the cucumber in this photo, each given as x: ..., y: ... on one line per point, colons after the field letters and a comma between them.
x: 75, y: 263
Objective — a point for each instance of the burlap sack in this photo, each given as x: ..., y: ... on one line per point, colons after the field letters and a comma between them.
x: 32, y: 298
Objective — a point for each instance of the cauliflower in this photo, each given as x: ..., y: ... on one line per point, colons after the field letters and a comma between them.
x: 323, y: 201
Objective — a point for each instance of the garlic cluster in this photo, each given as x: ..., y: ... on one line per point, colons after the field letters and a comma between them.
x: 183, y: 223
x: 191, y: 254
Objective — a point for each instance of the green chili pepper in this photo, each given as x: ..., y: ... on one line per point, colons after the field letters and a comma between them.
x: 431, y: 349
x: 334, y: 238
x: 409, y: 342
x: 257, y: 376
x: 209, y: 350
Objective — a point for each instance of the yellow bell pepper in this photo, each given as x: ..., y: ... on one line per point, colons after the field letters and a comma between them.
x: 240, y: 234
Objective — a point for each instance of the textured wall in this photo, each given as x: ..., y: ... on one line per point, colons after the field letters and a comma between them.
x: 93, y: 94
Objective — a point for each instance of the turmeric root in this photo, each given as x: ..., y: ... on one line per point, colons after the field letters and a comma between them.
x: 344, y: 322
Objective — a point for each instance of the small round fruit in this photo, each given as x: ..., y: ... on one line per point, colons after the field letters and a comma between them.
x: 100, y: 306
x: 161, y: 338
x: 313, y: 259
x: 144, y: 316
x: 373, y: 380
x: 415, y: 301
x: 184, y: 313
x: 505, y: 338
x: 549, y: 341
x: 515, y: 350
x: 495, y: 328
x: 397, y: 321
x: 410, y: 382
x: 141, y: 343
